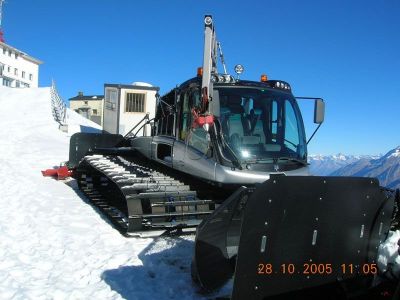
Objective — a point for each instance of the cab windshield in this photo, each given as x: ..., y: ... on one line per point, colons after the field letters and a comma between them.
x: 261, y: 125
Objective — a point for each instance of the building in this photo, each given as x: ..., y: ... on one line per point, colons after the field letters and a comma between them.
x: 91, y: 107
x: 126, y: 105
x: 18, y: 69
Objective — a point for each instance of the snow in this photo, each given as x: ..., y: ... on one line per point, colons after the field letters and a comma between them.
x: 396, y: 152
x: 76, y: 122
x: 139, y: 83
x: 76, y: 119
x: 389, y: 259
x: 340, y: 157
x: 54, y: 245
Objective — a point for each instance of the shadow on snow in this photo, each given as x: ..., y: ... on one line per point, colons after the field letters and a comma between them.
x: 164, y: 273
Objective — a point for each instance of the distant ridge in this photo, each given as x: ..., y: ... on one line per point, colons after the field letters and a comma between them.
x: 386, y: 168
x: 324, y: 165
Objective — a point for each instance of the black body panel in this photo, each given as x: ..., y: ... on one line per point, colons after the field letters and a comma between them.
x: 83, y: 143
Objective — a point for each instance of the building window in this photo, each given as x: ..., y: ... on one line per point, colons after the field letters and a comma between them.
x: 16, y: 55
x: 9, y: 69
x: 111, y: 99
x: 23, y: 74
x: 6, y: 82
x: 9, y: 52
x: 95, y: 111
x: 30, y: 77
x: 4, y: 51
x: 15, y: 71
x: 134, y: 102
x: 86, y: 103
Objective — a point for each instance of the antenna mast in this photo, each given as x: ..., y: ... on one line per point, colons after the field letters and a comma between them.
x: 1, y: 19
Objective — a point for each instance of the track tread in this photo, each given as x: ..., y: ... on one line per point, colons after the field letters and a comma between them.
x: 101, y: 177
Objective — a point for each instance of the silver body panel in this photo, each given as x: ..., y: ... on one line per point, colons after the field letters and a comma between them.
x: 186, y: 159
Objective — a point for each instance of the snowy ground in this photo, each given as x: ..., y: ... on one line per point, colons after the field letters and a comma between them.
x: 53, y: 245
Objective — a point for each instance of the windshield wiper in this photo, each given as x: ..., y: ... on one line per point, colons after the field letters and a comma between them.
x: 292, y: 159
x: 235, y: 160
x: 259, y: 161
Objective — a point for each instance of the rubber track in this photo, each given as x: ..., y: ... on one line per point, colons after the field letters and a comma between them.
x: 157, y: 201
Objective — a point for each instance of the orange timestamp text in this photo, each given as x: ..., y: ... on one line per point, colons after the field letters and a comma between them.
x: 317, y: 269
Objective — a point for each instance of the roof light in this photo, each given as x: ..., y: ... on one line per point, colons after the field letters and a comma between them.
x: 228, y: 78
x: 282, y: 85
x: 225, y: 78
x: 199, y: 71
x: 239, y: 69
x: 208, y: 20
x: 264, y: 78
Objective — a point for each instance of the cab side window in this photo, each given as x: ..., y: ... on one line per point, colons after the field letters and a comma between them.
x: 292, y: 139
x: 195, y: 137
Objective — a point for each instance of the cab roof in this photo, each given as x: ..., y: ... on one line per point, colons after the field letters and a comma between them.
x: 271, y: 84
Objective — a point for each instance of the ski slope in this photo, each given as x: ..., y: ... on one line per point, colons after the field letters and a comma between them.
x: 53, y: 244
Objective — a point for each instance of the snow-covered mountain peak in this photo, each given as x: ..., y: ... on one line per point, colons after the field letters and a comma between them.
x: 340, y: 156
x: 395, y: 152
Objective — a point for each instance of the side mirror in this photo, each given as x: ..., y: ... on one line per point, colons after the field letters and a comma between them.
x: 319, y: 111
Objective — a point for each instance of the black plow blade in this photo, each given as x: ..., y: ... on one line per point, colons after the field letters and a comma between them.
x: 83, y: 143
x: 300, y: 237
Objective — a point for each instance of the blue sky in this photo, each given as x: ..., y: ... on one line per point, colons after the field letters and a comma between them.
x: 347, y: 52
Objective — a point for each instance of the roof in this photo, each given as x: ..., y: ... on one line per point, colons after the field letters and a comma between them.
x: 132, y: 87
x: 86, y: 98
x: 21, y: 53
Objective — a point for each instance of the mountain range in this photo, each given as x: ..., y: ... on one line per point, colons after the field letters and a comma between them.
x: 384, y: 167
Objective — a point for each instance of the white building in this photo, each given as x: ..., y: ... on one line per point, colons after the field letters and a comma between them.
x: 126, y: 105
x: 18, y: 69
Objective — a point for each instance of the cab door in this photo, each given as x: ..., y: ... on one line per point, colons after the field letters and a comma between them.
x: 192, y: 145
x: 182, y: 121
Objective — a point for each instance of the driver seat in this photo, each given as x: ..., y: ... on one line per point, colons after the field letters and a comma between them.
x: 235, y: 124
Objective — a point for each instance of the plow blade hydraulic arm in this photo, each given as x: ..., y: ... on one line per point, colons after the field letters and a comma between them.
x: 295, y: 235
